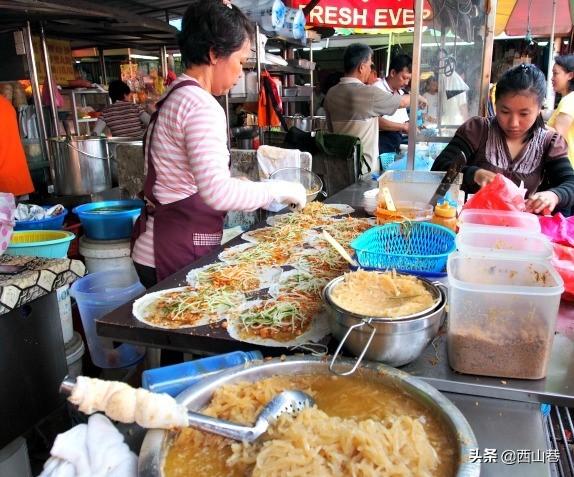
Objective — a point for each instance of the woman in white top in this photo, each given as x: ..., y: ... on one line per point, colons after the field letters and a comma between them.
x: 188, y: 188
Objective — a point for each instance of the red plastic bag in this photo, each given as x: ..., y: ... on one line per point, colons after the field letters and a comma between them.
x: 563, y: 261
x: 500, y: 194
x: 46, y: 94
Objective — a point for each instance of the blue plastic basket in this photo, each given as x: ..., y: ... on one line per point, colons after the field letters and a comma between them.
x: 413, y: 247
x: 51, y: 223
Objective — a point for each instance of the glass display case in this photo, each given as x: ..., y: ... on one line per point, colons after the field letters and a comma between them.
x: 453, y: 50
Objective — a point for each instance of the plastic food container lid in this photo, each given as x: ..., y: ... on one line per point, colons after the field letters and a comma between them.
x: 503, y: 242
x: 499, y: 218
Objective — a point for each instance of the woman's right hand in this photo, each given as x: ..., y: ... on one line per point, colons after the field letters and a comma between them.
x: 483, y: 177
x: 289, y: 193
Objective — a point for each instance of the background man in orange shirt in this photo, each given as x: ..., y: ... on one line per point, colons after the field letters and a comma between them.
x: 14, y: 174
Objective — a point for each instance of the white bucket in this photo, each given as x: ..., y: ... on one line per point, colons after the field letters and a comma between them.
x: 74, y: 354
x: 104, y: 255
x: 294, y: 24
x: 14, y: 459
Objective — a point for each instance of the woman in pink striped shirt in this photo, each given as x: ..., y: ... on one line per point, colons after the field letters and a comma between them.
x: 188, y: 187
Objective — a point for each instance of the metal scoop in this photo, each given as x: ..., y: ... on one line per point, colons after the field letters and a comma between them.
x: 291, y: 402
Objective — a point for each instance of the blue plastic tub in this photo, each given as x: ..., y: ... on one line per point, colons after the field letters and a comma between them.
x: 51, y: 223
x: 109, y: 219
x: 97, y: 295
x: 40, y: 243
x: 411, y: 247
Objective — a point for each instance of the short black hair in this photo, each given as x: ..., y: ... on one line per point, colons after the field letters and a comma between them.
x: 524, y: 78
x: 567, y: 63
x: 399, y: 62
x: 211, y: 25
x: 117, y: 90
x: 355, y: 55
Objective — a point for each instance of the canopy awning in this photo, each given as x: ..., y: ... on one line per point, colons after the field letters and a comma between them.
x: 512, y: 17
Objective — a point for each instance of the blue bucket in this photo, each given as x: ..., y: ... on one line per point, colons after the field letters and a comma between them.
x: 410, y: 247
x: 51, y: 223
x: 109, y: 219
x: 97, y: 294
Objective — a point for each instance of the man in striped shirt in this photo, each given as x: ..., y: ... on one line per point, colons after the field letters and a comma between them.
x: 122, y: 117
x: 353, y: 108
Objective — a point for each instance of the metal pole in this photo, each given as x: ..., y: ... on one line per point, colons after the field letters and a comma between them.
x: 441, y: 79
x: 49, y: 81
x: 311, y: 81
x: 389, y: 48
x: 226, y: 104
x: 163, y: 60
x: 27, y: 32
x: 103, y: 65
x: 487, y: 57
x: 415, y: 82
x: 550, y: 96
x: 258, y: 64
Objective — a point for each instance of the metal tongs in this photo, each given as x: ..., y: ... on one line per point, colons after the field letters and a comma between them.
x: 291, y: 402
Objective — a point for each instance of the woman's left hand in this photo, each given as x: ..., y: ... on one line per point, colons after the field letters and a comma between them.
x: 542, y: 201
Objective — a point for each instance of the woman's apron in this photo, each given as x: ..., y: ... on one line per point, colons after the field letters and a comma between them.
x: 183, y: 231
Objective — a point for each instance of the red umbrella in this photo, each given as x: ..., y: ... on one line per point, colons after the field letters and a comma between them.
x: 515, y: 17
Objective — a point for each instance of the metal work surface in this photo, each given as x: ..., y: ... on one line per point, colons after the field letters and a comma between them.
x: 432, y: 366
x: 511, y: 429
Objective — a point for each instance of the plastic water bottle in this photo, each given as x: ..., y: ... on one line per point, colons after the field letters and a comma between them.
x: 176, y: 378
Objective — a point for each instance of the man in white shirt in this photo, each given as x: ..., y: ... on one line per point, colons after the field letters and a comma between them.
x: 353, y: 108
x: 392, y: 127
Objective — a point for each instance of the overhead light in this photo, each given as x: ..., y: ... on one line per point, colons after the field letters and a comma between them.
x: 458, y: 43
x: 78, y: 61
x: 177, y: 55
x: 144, y: 57
x: 274, y: 50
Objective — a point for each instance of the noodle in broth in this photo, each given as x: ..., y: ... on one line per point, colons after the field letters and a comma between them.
x: 359, y: 427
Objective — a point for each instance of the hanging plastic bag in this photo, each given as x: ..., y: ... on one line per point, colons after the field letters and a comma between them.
x: 7, y: 209
x: 46, y: 94
x: 500, y: 194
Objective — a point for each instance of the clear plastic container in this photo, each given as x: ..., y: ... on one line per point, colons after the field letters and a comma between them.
x: 499, y: 218
x: 97, y: 295
x: 178, y: 377
x: 418, y: 186
x: 503, y: 241
x: 502, y: 315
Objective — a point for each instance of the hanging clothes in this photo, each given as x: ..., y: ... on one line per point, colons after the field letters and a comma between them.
x: 266, y: 115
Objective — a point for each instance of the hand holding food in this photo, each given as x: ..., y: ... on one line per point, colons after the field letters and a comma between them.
x: 483, y: 177
x: 123, y: 403
x: 286, y: 192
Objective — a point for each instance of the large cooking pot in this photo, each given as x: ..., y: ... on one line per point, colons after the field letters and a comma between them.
x: 156, y: 442
x: 306, y: 123
x: 393, y: 341
x: 80, y: 165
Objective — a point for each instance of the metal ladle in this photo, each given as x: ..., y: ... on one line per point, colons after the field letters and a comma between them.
x: 291, y: 402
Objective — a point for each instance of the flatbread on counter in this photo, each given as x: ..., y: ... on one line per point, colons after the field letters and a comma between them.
x: 185, y: 307
x: 243, y: 277
x: 297, y: 326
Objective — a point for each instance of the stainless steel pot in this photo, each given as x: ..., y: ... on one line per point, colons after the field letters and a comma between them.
x: 301, y: 122
x: 80, y: 165
x: 156, y: 442
x: 396, y: 341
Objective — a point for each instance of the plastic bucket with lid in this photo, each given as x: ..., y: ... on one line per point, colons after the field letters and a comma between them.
x: 97, y: 295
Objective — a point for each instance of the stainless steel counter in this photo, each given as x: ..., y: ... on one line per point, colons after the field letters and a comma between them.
x: 506, y: 426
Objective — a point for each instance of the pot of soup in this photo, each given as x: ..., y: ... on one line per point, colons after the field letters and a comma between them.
x: 354, y: 432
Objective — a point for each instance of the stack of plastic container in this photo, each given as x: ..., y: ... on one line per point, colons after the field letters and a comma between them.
x: 504, y: 296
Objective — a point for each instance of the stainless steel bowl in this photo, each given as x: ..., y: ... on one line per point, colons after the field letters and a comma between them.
x: 395, y: 341
x: 156, y: 442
